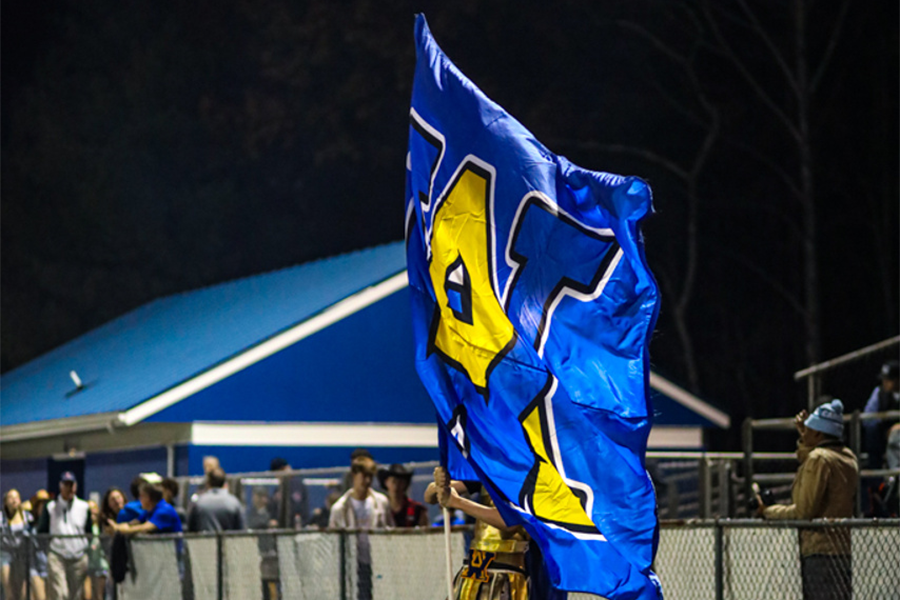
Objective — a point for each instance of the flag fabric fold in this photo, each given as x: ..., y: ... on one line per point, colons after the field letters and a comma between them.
x: 533, y: 307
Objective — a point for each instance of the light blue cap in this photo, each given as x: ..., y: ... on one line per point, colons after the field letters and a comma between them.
x: 828, y: 418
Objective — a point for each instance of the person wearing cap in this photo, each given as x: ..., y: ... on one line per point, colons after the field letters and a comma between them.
x: 824, y: 488
x: 885, y: 397
x: 67, y: 560
x: 407, y: 512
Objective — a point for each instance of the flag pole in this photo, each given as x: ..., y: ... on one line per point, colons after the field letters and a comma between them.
x: 449, y: 558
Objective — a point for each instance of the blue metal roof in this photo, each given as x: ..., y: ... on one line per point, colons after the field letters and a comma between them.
x: 173, y: 339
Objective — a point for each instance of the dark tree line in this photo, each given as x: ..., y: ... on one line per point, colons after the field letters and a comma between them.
x: 150, y: 148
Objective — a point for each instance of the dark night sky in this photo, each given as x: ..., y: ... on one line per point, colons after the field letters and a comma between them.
x: 150, y: 149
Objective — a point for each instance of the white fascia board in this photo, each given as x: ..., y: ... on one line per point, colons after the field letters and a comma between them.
x: 375, y: 435
x: 329, y: 316
x: 66, y: 426
x: 683, y: 438
x: 689, y: 401
x: 329, y: 435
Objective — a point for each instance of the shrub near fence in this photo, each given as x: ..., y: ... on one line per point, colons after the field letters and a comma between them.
x: 697, y: 560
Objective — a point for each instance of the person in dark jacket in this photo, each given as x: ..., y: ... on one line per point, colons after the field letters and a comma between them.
x: 298, y: 510
x: 407, y: 512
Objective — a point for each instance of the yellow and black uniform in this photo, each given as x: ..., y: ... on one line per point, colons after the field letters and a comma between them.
x: 495, y: 568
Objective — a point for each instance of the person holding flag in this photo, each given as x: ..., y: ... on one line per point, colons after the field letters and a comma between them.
x: 499, y: 565
x: 533, y: 306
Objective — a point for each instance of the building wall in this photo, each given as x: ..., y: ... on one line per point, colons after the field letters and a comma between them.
x: 106, y: 469
x: 102, y: 470
x: 26, y: 475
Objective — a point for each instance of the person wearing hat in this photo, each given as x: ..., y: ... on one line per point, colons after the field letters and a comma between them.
x: 824, y: 488
x: 407, y: 512
x: 67, y: 560
x: 885, y: 397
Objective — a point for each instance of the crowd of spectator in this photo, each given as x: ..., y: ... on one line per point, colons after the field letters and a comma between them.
x: 85, y: 553
x: 86, y: 550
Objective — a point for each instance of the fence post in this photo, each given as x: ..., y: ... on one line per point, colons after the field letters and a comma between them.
x: 284, y: 508
x: 343, y: 539
x: 31, y: 546
x: 220, y: 568
x: 705, y: 489
x: 723, y: 468
x: 856, y: 446
x: 747, y: 442
x: 855, y: 437
x: 720, y: 562
x: 811, y: 392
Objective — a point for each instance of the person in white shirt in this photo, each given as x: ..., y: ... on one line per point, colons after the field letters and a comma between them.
x: 67, y: 560
x: 361, y: 507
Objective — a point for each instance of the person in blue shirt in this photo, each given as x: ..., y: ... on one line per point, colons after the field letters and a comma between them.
x: 885, y: 397
x: 160, y: 516
x: 132, y: 511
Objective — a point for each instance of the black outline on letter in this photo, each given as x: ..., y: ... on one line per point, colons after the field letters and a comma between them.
x: 526, y: 494
x: 425, y: 198
x: 470, y: 165
x: 565, y: 282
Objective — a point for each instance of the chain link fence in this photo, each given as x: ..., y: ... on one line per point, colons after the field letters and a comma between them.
x: 752, y: 559
x: 697, y: 560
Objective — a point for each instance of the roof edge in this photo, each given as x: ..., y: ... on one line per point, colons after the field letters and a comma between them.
x: 329, y: 316
x: 52, y: 427
x: 689, y: 401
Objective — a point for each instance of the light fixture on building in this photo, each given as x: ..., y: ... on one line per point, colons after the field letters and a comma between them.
x: 76, y: 379
x: 79, y: 385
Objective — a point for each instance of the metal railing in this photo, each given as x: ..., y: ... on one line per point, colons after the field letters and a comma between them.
x: 813, y: 375
x: 704, y: 559
x: 689, y: 485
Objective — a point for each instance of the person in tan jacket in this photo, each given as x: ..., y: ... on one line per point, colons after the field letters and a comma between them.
x: 825, y: 488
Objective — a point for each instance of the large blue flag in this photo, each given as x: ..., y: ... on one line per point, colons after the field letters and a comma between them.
x: 533, y: 307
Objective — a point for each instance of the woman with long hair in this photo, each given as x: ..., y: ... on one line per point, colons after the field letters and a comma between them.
x: 113, y: 502
x: 15, y: 523
x: 38, y: 572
